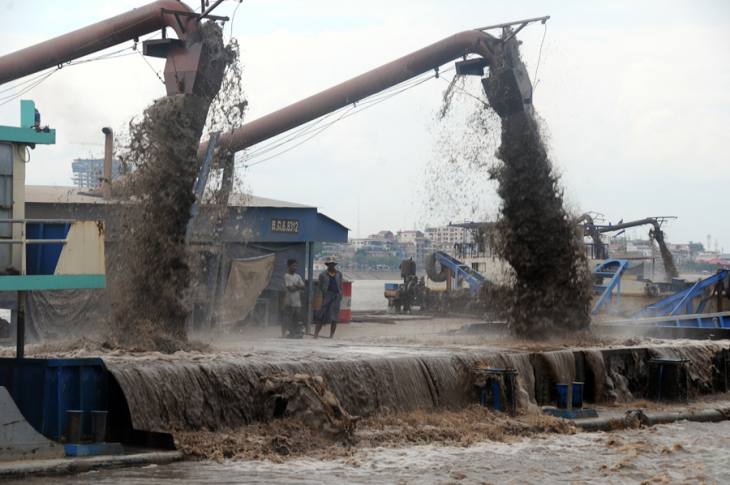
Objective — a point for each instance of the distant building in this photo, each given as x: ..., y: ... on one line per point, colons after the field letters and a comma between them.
x: 444, y: 238
x: 88, y: 172
x: 408, y: 236
x: 415, y: 244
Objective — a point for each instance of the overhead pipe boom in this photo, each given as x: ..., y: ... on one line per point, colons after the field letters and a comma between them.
x: 359, y: 88
x: 113, y: 31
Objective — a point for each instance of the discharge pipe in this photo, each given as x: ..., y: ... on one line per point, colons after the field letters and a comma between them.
x: 182, y: 59
x: 106, y: 181
x: 360, y: 87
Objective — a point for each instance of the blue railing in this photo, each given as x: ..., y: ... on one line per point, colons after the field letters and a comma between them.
x: 611, y: 270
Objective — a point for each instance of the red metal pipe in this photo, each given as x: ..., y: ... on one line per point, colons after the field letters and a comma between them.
x: 99, y: 36
x: 358, y: 88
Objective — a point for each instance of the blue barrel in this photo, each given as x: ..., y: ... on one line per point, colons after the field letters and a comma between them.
x: 577, y: 400
x: 491, y: 395
x: 562, y: 390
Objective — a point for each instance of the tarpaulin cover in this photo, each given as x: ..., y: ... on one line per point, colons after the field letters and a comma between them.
x: 63, y: 314
x: 246, y: 280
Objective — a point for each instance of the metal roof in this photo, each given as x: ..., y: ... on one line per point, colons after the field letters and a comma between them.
x: 56, y: 194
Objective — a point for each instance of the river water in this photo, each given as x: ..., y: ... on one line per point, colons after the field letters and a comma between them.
x: 677, y: 453
x: 367, y: 295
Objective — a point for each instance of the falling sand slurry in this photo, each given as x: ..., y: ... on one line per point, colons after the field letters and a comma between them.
x: 551, y: 287
x: 149, y: 287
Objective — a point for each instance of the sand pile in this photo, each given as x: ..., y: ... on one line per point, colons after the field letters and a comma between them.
x: 551, y: 287
x: 307, y: 399
x: 149, y: 287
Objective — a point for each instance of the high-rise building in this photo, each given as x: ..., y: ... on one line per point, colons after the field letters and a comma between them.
x: 88, y: 172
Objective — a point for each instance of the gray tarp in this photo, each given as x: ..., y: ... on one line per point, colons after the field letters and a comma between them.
x: 65, y: 314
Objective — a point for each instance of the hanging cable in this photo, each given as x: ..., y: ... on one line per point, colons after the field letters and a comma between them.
x: 464, y: 91
x: 152, y: 68
x: 539, y: 56
x: 248, y: 165
x: 351, y: 110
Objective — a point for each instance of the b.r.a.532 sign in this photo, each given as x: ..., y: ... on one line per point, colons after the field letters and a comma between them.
x: 290, y: 226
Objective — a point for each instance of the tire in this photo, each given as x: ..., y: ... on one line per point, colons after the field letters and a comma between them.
x: 431, y: 270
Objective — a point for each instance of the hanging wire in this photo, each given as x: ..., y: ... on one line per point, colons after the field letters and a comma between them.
x: 233, y: 18
x: 152, y: 68
x: 36, y: 79
x: 464, y: 91
x: 349, y: 111
x: 312, y: 125
x: 539, y: 56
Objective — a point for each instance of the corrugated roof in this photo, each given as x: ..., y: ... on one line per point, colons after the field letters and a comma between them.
x: 56, y: 194
x: 243, y: 200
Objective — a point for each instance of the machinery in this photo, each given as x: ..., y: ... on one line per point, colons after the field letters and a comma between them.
x: 600, y: 250
x: 441, y: 267
x: 411, y: 293
x: 40, y: 254
x: 463, y: 286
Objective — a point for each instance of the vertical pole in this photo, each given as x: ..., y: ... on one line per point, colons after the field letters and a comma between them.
x: 310, y: 283
x: 20, y: 327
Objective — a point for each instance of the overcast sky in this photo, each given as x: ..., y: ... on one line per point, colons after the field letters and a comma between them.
x: 634, y: 96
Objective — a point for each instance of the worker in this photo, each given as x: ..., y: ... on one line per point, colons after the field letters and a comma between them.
x: 291, y: 324
x: 719, y: 290
x: 410, y: 280
x: 330, y: 285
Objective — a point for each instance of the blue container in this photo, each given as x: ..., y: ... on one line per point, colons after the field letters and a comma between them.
x: 491, y: 396
x: 562, y: 390
x: 391, y: 286
x: 577, y: 399
x: 41, y: 259
x: 44, y: 389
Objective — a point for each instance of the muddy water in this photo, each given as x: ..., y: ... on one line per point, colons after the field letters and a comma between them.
x: 367, y: 295
x: 677, y: 453
x: 225, y: 391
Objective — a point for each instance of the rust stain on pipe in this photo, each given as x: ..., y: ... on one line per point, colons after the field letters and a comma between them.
x: 358, y: 88
x: 99, y: 36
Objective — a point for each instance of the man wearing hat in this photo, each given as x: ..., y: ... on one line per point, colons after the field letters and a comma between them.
x: 330, y: 284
